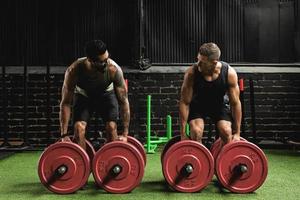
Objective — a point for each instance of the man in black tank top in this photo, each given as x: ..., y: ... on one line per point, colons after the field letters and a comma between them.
x: 204, y: 90
x: 96, y: 84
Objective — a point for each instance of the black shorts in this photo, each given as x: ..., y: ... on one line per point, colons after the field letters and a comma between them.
x: 198, y: 110
x: 106, y: 106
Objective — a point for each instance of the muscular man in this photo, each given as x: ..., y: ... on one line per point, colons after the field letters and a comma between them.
x: 205, y: 86
x: 95, y: 84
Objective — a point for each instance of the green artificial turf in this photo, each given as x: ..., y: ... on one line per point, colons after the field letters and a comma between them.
x: 19, y: 180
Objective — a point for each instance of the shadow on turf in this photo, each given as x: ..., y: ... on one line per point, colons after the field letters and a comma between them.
x: 144, y: 187
x: 37, y: 189
x: 34, y: 189
x: 157, y: 186
x: 223, y: 191
x: 220, y: 187
x: 162, y: 187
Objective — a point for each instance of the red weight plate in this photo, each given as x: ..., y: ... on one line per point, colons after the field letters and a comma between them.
x: 172, y: 141
x: 60, y: 155
x: 217, y: 146
x: 139, y: 147
x: 89, y: 148
x: 184, y: 156
x: 124, y: 157
x: 241, y: 167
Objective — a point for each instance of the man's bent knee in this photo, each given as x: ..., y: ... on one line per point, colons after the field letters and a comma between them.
x: 111, y: 129
x: 80, y: 128
x: 196, y: 133
x: 226, y: 133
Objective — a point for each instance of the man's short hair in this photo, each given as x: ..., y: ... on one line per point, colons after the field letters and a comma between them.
x: 211, y: 50
x: 95, y: 48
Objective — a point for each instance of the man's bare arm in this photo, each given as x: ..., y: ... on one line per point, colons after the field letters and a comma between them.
x: 234, y: 99
x: 67, y: 97
x: 122, y: 95
x: 185, y: 100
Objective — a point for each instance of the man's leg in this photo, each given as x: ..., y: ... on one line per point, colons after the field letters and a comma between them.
x: 111, y: 131
x: 225, y: 131
x: 79, y: 132
x: 109, y: 112
x: 196, y: 129
x: 81, y: 115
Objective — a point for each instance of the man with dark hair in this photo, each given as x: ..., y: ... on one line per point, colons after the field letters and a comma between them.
x: 204, y: 90
x: 95, y: 84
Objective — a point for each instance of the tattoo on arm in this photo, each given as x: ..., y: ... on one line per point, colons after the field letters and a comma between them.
x: 122, y: 96
x: 119, y: 79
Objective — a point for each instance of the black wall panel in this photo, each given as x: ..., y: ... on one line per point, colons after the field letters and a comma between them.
x: 40, y: 32
x: 175, y: 29
x: 54, y: 32
x: 251, y: 33
x: 286, y: 31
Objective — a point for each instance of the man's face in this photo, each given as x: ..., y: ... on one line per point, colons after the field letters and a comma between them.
x: 101, y: 61
x: 207, y: 66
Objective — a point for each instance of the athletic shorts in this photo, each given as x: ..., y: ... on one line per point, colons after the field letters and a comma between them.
x: 106, y: 106
x: 198, y: 110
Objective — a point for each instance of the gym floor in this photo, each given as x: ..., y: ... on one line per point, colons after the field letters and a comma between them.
x: 19, y: 180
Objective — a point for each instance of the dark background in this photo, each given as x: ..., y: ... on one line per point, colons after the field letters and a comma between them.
x: 167, y: 31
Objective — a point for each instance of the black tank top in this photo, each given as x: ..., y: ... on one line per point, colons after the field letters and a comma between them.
x: 211, y: 94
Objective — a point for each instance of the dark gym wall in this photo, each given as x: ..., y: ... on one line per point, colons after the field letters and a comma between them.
x: 286, y: 31
x: 277, y: 104
x: 297, y: 34
x: 246, y: 30
x: 251, y: 33
x: 40, y: 32
x: 55, y: 31
x: 175, y: 28
x: 276, y: 31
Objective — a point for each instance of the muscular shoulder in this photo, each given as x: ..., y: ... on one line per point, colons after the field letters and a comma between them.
x: 73, y: 68
x: 71, y: 74
x: 189, y: 74
x: 113, y: 67
x: 115, y: 72
x: 232, y: 76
